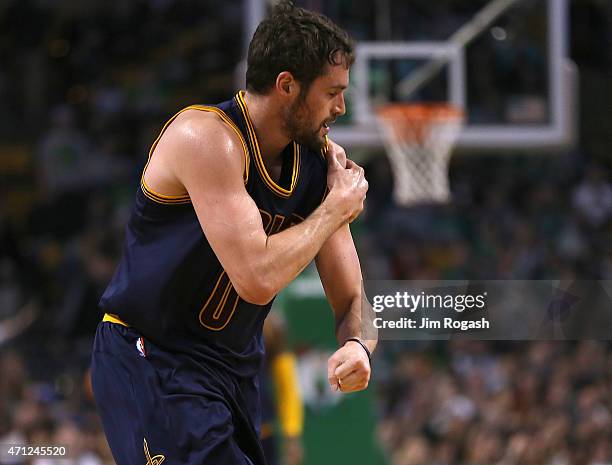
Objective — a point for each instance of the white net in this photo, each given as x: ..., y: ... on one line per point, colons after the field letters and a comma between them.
x: 419, y: 140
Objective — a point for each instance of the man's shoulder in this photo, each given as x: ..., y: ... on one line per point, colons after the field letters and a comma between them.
x: 200, y: 141
x: 196, y: 120
x: 203, y: 127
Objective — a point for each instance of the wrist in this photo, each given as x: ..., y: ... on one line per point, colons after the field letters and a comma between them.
x: 336, y: 207
x: 358, y: 341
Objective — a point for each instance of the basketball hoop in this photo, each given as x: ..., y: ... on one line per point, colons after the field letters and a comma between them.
x: 418, y: 139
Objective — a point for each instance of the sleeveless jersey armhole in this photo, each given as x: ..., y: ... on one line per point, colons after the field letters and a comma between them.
x: 184, y: 199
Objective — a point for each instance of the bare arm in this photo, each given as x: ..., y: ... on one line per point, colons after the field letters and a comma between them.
x: 205, y: 157
x: 340, y: 272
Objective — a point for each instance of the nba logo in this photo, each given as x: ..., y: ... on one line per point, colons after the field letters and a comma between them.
x: 140, y: 347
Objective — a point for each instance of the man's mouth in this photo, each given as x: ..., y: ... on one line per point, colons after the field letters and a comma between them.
x: 326, y: 124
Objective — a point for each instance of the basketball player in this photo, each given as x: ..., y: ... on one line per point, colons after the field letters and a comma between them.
x: 280, y: 398
x: 235, y: 200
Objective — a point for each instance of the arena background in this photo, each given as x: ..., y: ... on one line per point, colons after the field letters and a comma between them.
x: 85, y: 87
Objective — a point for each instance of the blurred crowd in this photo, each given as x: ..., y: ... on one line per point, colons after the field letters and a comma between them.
x: 499, y: 404
x: 513, y: 218
x: 56, y: 411
x: 85, y: 87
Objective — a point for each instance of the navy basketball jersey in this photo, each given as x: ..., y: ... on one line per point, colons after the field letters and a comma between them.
x: 170, y: 286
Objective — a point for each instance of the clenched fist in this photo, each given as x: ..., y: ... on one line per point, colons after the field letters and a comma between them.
x: 348, y: 369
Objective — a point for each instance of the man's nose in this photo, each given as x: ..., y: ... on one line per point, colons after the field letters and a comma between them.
x: 340, y: 107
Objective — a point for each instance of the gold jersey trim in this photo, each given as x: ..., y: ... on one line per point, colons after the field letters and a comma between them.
x: 261, y: 168
x: 110, y: 318
x: 184, y: 199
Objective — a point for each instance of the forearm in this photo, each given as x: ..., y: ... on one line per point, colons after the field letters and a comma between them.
x: 287, y: 253
x: 355, y: 320
x: 350, y: 367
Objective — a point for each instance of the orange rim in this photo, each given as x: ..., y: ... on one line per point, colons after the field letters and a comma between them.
x: 420, y: 111
x: 410, y: 121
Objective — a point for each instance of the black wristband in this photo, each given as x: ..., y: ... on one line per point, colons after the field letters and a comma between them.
x: 358, y: 341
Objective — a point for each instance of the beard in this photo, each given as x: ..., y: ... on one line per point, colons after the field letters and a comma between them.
x: 299, y: 127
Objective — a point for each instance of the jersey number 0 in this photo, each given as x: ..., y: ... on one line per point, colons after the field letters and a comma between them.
x: 223, y: 300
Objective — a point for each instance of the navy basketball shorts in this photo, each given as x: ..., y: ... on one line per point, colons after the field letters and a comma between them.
x: 162, y: 407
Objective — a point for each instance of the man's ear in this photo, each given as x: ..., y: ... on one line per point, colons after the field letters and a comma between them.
x: 286, y: 85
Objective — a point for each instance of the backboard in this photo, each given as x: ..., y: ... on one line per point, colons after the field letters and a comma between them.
x: 511, y: 76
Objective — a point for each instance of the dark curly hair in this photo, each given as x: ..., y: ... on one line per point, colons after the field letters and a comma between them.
x: 296, y: 40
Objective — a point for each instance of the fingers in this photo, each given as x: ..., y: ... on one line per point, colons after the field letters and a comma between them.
x: 352, y: 382
x: 356, y: 380
x: 351, y: 367
x: 351, y: 165
x: 346, y: 178
x: 344, y: 370
x: 332, y: 159
x: 332, y: 364
x: 336, y: 157
x: 347, y: 375
x: 335, y: 154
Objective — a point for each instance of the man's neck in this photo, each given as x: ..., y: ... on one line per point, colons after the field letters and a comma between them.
x: 267, y: 122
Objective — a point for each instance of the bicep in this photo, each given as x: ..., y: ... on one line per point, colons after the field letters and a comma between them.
x: 339, y: 269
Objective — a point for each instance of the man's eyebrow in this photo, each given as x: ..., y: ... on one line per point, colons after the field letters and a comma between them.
x: 339, y: 86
